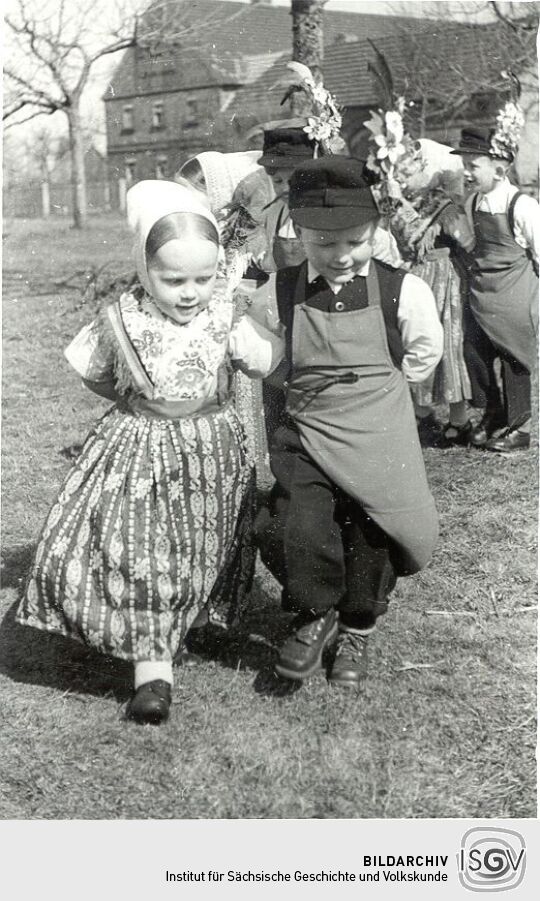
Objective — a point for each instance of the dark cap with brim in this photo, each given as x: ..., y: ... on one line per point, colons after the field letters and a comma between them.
x: 331, y: 193
x: 477, y: 141
x: 286, y: 148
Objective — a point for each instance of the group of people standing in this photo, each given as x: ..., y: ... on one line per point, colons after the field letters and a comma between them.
x: 324, y: 339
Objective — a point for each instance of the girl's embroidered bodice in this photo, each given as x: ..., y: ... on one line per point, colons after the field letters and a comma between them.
x: 181, y: 360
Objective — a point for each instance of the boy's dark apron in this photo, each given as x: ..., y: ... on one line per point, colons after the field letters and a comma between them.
x: 504, y: 286
x: 354, y: 414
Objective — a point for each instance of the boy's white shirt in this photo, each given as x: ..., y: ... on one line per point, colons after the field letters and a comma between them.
x: 418, y: 322
x: 526, y: 213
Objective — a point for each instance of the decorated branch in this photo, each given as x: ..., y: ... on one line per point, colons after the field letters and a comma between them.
x: 510, y: 121
x: 325, y: 121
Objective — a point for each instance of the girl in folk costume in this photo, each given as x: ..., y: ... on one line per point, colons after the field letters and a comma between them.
x: 502, y: 320
x: 420, y: 191
x: 151, y: 526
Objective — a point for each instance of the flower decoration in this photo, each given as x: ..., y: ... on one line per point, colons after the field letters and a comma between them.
x: 510, y: 121
x: 395, y: 159
x: 242, y: 239
x: 394, y: 150
x: 324, y: 124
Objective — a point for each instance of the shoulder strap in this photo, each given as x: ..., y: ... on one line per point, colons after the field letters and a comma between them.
x: 288, y: 283
x: 511, y: 207
x: 132, y: 360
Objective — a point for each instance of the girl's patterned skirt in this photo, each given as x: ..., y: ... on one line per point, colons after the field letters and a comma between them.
x: 450, y: 382
x: 152, y: 526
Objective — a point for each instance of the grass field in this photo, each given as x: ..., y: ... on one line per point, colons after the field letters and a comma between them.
x: 445, y: 728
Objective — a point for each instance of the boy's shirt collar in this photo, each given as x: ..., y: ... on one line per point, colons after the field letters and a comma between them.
x: 312, y: 274
x: 497, y: 197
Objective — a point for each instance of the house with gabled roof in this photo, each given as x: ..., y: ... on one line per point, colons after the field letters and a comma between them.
x: 169, y: 101
x: 450, y: 74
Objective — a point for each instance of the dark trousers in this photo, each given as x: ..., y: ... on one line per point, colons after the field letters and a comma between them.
x: 320, y: 544
x: 480, y: 355
x: 274, y: 409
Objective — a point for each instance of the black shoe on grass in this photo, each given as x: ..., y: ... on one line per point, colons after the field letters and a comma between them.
x: 301, y: 655
x: 350, y: 666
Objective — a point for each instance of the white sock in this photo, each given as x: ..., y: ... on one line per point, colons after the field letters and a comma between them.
x: 356, y: 631
x: 148, y: 670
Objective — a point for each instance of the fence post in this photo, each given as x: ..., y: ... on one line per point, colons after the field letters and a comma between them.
x: 45, y: 200
x: 122, y: 194
x: 107, y: 195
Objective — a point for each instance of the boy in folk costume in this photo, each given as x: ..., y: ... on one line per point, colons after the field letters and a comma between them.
x: 502, y: 320
x: 283, y: 150
x: 351, y: 509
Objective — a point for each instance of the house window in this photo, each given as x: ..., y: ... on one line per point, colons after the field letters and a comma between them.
x: 158, y: 115
x: 128, y: 121
x: 161, y: 167
x: 130, y: 166
x: 192, y: 112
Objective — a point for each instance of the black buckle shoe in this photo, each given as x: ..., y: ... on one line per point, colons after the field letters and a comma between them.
x: 151, y: 703
x: 301, y: 655
x: 350, y: 666
x: 509, y: 442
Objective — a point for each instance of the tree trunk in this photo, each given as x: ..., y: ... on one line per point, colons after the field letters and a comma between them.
x: 78, y: 179
x: 307, y: 16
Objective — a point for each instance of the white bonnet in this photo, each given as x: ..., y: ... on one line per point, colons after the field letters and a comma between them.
x: 223, y: 172
x: 149, y: 201
x: 439, y: 164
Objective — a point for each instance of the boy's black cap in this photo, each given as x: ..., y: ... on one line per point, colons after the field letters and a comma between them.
x: 286, y: 147
x: 331, y: 193
x: 477, y: 141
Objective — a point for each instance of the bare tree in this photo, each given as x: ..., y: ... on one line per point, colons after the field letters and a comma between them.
x: 308, y: 38
x: 53, y: 49
x: 517, y: 16
x: 44, y: 149
x: 455, y: 69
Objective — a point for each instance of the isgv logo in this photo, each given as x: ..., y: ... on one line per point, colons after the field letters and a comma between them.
x: 491, y: 859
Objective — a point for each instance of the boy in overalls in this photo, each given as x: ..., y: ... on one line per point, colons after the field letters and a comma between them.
x: 502, y: 318
x: 351, y: 508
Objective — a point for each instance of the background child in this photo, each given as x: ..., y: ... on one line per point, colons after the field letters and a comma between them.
x: 351, y: 508
x: 502, y: 319
x: 222, y: 176
x: 431, y: 231
x: 283, y: 150
x: 151, y: 525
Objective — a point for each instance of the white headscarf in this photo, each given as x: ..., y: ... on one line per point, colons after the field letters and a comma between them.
x: 440, y: 166
x: 147, y: 202
x: 223, y: 172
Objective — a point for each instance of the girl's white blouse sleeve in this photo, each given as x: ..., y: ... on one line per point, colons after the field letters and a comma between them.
x: 87, y: 355
x: 254, y: 349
